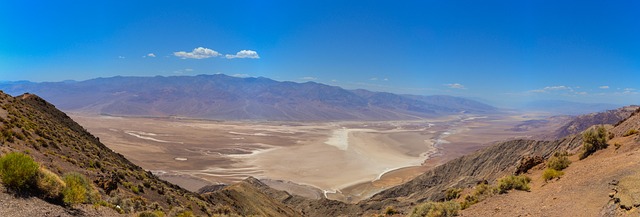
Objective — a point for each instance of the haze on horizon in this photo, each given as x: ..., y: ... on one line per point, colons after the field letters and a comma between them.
x: 502, y: 51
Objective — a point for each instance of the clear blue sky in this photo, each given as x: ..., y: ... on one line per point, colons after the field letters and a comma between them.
x: 503, y: 51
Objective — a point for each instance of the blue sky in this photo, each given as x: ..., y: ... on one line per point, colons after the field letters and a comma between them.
x: 502, y: 51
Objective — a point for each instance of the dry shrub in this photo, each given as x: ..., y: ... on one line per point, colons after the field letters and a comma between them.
x: 49, y: 183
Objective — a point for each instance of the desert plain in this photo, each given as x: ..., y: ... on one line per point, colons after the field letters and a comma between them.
x: 347, y: 160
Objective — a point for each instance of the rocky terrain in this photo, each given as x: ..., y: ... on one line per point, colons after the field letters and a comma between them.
x: 33, y: 126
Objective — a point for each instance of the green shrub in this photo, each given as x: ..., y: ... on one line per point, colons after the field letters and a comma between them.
x: 18, y: 170
x: 151, y: 214
x: 559, y: 161
x: 593, y: 140
x: 390, y: 211
x: 185, y: 214
x: 481, y: 192
x: 520, y: 182
x: 49, y: 183
x: 436, y: 209
x: 551, y: 173
x: 452, y: 193
x: 631, y: 132
x: 77, y: 189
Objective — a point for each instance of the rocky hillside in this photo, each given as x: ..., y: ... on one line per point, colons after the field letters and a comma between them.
x: 30, y: 125
x: 605, y: 183
x: 582, y: 122
x: 231, y: 98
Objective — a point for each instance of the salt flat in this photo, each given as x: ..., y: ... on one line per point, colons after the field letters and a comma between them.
x: 347, y: 161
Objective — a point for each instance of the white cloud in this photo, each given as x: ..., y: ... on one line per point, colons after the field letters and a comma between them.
x: 151, y: 55
x: 385, y: 79
x: 182, y: 71
x: 244, y: 54
x: 197, y: 53
x: 455, y: 86
x: 551, y: 88
x: 241, y: 75
x: 604, y: 87
x: 308, y: 78
x: 373, y: 79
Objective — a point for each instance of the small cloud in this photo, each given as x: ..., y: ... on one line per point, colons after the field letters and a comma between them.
x: 581, y: 93
x: 197, y: 53
x: 182, y: 71
x: 334, y: 80
x: 604, y: 87
x: 244, y: 54
x: 241, y: 75
x: 551, y: 88
x: 121, y: 57
x: 308, y: 78
x: 373, y: 79
x: 385, y: 79
x: 455, y: 86
x: 151, y: 55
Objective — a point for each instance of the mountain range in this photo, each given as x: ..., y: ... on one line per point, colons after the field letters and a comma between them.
x: 232, y: 98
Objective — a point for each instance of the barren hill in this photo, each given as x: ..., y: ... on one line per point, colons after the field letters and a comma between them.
x: 225, y: 97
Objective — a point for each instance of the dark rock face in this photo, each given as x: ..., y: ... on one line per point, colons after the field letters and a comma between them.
x: 526, y: 163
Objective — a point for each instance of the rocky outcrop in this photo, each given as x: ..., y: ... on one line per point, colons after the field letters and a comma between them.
x: 527, y: 162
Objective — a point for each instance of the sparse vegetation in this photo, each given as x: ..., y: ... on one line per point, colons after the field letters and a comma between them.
x: 49, y: 183
x: 551, y: 173
x: 519, y: 182
x: 436, y: 209
x: 452, y: 193
x: 593, y: 140
x: 631, y: 132
x: 76, y: 190
x: 390, y: 211
x: 18, y: 170
x: 481, y: 192
x: 559, y: 161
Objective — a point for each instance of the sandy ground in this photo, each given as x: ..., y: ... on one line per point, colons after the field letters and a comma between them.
x: 347, y: 161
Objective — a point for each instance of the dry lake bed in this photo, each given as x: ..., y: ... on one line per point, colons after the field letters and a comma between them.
x: 348, y: 161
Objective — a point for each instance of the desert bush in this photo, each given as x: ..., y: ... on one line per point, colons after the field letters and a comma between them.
x: 151, y: 214
x: 593, y: 140
x: 185, y: 214
x: 551, y: 173
x: 631, y: 132
x: 17, y: 170
x: 390, y: 211
x: 436, y: 209
x: 617, y: 145
x: 49, y: 183
x: 520, y: 182
x: 481, y: 192
x: 77, y: 188
x: 559, y: 161
x: 452, y: 193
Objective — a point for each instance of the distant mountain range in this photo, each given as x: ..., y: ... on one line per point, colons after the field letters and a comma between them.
x: 561, y: 107
x: 231, y: 98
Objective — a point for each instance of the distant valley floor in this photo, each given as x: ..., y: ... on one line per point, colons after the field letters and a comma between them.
x: 348, y: 161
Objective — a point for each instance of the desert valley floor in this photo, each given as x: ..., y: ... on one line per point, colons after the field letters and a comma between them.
x: 347, y: 161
